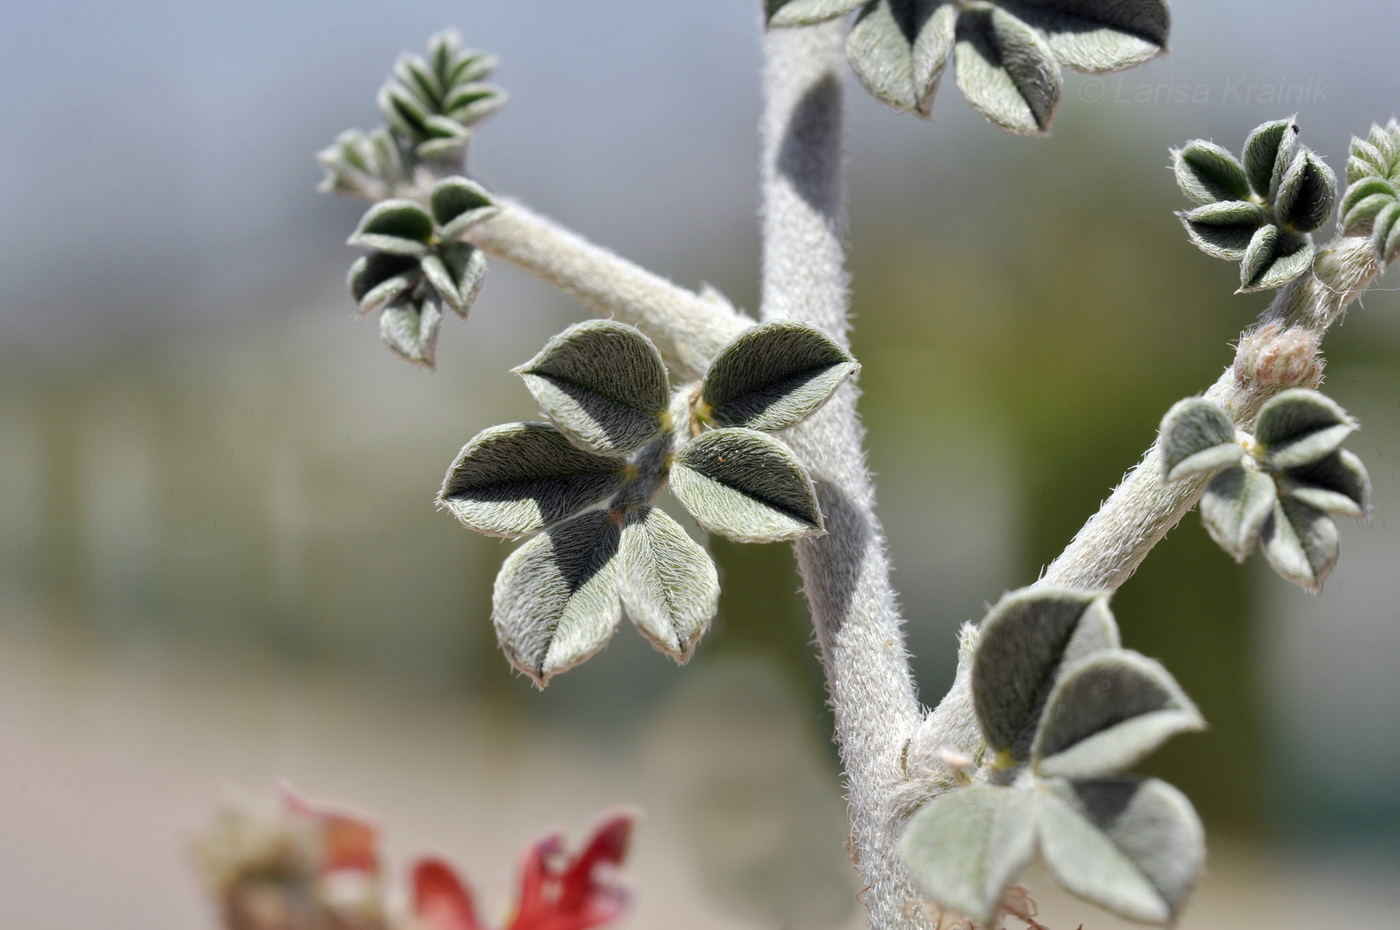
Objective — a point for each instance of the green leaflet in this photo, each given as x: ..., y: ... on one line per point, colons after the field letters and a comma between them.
x: 1300, y: 542
x: 774, y: 375
x: 965, y: 847
x: 1268, y: 151
x: 1207, y: 173
x: 556, y: 598
x: 1006, y: 70
x: 1306, y: 194
x: 410, y: 327
x: 1197, y: 437
x: 515, y: 479
x: 399, y: 227
x: 459, y: 204
x: 1224, y: 230
x: 1234, y: 508
x: 1026, y: 639
x: 361, y: 164
x: 1335, y: 484
x: 1108, y: 713
x: 1273, y: 258
x: 1298, y: 426
x: 1133, y: 846
x: 1095, y: 37
x: 807, y: 12
x: 379, y: 277
x: 603, y: 383
x: 898, y: 49
x: 670, y: 587
x: 746, y: 486
x: 456, y: 271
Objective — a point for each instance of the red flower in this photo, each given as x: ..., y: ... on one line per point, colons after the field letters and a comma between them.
x: 556, y: 892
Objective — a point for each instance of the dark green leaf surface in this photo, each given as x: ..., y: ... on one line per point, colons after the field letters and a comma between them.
x: 1267, y: 154
x: 400, y: 227
x: 1006, y: 70
x: 1224, y: 229
x: 1197, y: 437
x: 459, y: 204
x: 1299, y: 426
x: 774, y: 375
x: 746, y: 486
x: 556, y: 600
x: 456, y: 271
x: 379, y: 277
x: 1089, y: 35
x: 1336, y: 484
x: 1306, y: 194
x: 603, y: 383
x: 1273, y: 258
x: 1234, y: 508
x: 513, y: 480
x: 898, y: 49
x: 1109, y: 712
x: 1025, y: 641
x: 1207, y: 173
x: 1301, y: 543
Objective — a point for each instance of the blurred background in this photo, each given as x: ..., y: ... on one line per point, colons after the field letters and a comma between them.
x: 220, y: 563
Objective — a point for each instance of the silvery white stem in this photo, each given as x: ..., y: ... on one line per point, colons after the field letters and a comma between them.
x: 1282, y: 352
x: 846, y: 573
x: 688, y: 328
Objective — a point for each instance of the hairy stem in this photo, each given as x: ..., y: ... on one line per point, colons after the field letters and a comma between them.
x: 846, y: 573
x: 1282, y: 352
x: 688, y: 328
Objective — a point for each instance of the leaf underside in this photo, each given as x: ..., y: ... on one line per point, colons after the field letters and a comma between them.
x: 1006, y: 70
x: 670, y: 587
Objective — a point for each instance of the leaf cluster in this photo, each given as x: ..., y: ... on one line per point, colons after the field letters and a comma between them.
x: 1371, y: 204
x: 1006, y: 55
x: 1259, y: 209
x: 418, y: 263
x: 1064, y: 712
x: 1280, y: 487
x: 583, y: 485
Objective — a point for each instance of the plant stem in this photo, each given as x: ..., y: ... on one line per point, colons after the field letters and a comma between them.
x: 1282, y: 352
x: 846, y: 573
x: 687, y: 327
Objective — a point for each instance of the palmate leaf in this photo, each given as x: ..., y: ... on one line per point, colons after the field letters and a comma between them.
x: 746, y: 486
x: 774, y: 375
x: 1133, y: 846
x: 1026, y: 639
x: 1089, y: 35
x: 898, y: 49
x: 1109, y: 712
x: 1197, y: 437
x: 556, y: 600
x: 1299, y: 426
x: 965, y: 847
x: 1006, y: 70
x: 670, y: 587
x: 515, y: 479
x: 603, y: 383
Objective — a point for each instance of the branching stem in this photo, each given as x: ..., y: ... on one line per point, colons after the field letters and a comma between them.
x: 687, y: 327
